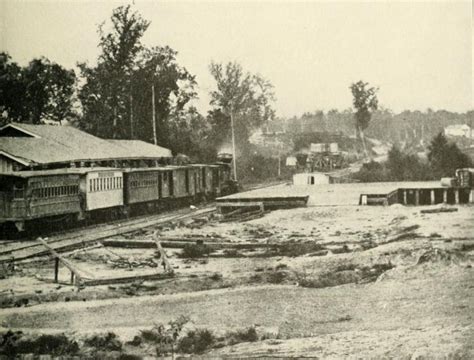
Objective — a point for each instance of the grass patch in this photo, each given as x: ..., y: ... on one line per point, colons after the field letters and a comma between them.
x: 343, y: 274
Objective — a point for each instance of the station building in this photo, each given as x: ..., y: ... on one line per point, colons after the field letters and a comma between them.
x: 39, y: 147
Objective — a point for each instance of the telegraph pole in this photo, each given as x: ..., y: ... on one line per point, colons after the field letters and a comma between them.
x: 234, y: 159
x: 131, y: 115
x: 153, y: 111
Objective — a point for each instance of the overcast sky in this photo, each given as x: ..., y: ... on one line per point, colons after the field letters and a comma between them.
x: 418, y: 53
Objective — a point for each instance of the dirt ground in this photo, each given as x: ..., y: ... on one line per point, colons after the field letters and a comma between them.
x: 383, y: 282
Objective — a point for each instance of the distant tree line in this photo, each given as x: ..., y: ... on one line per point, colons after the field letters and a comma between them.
x: 408, y: 129
x: 443, y: 160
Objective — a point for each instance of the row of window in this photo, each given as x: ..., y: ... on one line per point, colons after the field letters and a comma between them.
x: 104, y: 184
x: 56, y: 191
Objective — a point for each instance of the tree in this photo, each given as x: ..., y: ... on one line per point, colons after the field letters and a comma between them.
x: 117, y: 93
x: 42, y: 90
x: 445, y: 158
x: 244, y: 98
x: 106, y: 93
x: 12, y: 89
x: 49, y: 91
x: 365, y: 102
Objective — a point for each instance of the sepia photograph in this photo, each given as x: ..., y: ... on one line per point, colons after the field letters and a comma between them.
x: 241, y: 179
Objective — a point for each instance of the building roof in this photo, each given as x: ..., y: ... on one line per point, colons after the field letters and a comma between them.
x: 64, y: 171
x: 142, y: 149
x: 44, y: 144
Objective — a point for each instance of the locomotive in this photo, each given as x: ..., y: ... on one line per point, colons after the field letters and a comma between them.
x: 80, y: 194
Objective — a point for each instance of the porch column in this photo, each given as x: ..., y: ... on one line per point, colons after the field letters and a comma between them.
x: 417, y: 197
x: 432, y: 197
x: 456, y: 196
x: 445, y: 196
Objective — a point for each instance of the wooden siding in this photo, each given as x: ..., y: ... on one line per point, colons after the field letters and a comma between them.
x: 103, y: 189
x: 141, y: 186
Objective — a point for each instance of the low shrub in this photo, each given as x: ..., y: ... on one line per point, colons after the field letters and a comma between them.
x: 108, y: 341
x: 281, y: 266
x: 129, y: 357
x: 48, y: 344
x: 245, y: 335
x: 276, y: 277
x: 165, y: 337
x: 193, y: 251
x: 196, y: 342
x: 216, y: 276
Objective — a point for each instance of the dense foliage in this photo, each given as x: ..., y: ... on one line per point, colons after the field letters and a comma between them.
x: 443, y: 160
x: 42, y: 90
x: 408, y: 129
x: 247, y: 97
x: 117, y: 95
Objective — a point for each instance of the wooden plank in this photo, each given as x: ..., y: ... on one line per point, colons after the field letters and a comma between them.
x: 74, y: 270
x: 240, y: 204
x: 163, y: 257
x: 118, y: 280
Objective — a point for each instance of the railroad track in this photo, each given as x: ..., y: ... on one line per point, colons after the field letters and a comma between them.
x: 75, y: 239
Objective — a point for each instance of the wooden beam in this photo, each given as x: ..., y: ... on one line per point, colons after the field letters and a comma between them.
x: 56, y: 269
x: 74, y: 270
x: 163, y: 257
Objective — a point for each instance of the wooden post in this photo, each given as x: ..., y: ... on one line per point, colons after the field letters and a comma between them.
x: 56, y: 269
x: 445, y: 196
x: 404, y: 197
x: 72, y: 278
x: 471, y: 196
x: 66, y: 263
x: 417, y: 197
x: 432, y: 197
x: 456, y: 196
x: 163, y: 258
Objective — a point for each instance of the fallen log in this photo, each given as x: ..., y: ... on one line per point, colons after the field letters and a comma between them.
x: 438, y: 210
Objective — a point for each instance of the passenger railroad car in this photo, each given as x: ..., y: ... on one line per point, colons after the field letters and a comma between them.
x: 29, y: 195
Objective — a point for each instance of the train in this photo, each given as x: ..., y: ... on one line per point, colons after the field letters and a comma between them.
x: 82, y: 194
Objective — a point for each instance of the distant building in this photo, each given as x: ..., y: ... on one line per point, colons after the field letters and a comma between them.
x: 27, y: 146
x: 313, y: 178
x: 458, y: 130
x: 291, y: 161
